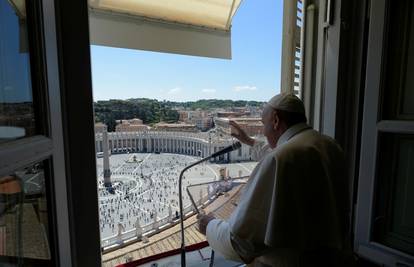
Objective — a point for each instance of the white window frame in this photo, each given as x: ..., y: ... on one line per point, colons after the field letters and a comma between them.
x: 364, y: 246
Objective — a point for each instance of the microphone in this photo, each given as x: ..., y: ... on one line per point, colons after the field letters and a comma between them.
x: 225, y: 150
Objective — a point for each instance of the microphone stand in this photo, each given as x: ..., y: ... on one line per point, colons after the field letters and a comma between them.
x: 228, y: 149
x: 180, y: 195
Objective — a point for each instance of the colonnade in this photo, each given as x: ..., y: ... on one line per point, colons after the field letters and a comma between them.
x: 166, y: 142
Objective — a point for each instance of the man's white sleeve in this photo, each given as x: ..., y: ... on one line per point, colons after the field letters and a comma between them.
x: 218, y: 237
x: 259, y: 149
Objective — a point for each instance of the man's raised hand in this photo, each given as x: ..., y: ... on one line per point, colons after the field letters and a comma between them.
x: 240, y: 134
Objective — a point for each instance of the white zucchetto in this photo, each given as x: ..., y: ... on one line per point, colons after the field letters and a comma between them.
x: 287, y: 102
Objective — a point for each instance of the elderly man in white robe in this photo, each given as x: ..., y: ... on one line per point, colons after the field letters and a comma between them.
x: 294, y: 210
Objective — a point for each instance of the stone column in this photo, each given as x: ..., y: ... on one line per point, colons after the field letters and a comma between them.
x: 200, y: 196
x: 138, y: 230
x: 107, y: 169
x: 155, y: 223
x: 170, y: 213
x: 177, y: 145
x: 192, y: 148
x: 120, y: 230
x: 139, y: 143
x: 148, y: 144
x: 161, y: 144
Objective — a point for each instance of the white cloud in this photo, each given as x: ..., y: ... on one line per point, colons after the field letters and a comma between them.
x: 174, y: 91
x: 209, y: 91
x: 240, y: 88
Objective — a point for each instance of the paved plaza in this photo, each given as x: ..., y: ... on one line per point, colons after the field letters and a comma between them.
x: 146, y: 187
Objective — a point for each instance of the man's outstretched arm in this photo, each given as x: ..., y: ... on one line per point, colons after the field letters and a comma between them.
x: 259, y: 148
x: 220, y: 239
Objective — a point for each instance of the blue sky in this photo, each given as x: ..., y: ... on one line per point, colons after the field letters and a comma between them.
x: 253, y: 73
x: 15, y: 83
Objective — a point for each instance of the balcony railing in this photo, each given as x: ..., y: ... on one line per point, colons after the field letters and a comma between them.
x: 116, y: 241
x: 125, y: 238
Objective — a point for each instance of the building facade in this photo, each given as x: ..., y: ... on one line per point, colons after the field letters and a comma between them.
x: 132, y: 125
x: 252, y: 126
x: 174, y: 127
x: 193, y: 144
x: 202, y: 120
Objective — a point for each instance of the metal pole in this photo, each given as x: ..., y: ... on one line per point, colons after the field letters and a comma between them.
x: 180, y: 199
x: 211, y: 259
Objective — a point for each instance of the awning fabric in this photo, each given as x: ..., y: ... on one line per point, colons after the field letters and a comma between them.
x: 20, y: 8
x: 191, y: 27
x: 215, y: 14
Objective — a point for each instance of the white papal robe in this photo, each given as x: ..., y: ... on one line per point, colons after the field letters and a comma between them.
x: 294, y: 210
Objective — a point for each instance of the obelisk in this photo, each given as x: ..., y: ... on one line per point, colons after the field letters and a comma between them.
x: 107, y: 170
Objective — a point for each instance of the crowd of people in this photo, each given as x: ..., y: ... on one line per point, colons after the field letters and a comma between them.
x: 145, y: 190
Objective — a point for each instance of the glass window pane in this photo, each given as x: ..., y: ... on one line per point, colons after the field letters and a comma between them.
x: 16, y: 99
x: 399, y: 82
x: 394, y: 220
x: 408, y: 89
x: 24, y: 225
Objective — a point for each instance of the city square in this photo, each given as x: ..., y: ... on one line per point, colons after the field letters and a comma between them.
x: 146, y: 188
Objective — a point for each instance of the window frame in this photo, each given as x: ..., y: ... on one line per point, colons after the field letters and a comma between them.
x: 48, y: 145
x: 371, y: 128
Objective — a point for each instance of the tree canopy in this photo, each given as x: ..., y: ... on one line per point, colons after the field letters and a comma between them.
x: 152, y: 111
